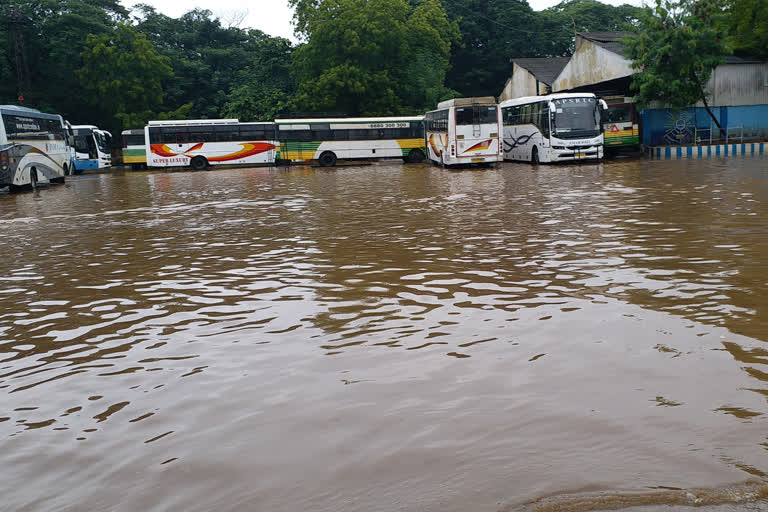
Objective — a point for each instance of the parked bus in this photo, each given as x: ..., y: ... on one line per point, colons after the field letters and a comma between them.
x: 464, y: 131
x: 134, y: 149
x: 621, y: 130
x: 33, y: 148
x: 201, y: 143
x: 329, y: 140
x: 69, y: 137
x: 554, y: 128
x: 93, y: 148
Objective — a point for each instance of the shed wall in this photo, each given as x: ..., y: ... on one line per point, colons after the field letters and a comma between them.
x: 521, y: 83
x: 591, y: 64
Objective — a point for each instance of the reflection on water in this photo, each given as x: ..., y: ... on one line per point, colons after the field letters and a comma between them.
x: 384, y: 337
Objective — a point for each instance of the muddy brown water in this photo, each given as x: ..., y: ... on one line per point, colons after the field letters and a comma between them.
x: 388, y: 337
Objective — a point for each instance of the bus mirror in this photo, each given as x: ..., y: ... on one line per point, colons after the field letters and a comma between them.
x: 603, y: 105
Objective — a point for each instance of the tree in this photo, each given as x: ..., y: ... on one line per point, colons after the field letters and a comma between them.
x: 122, y: 73
x: 561, y: 21
x: 493, y: 32
x: 263, y: 90
x: 211, y: 62
x: 747, y: 26
x: 678, y: 46
x: 54, y: 39
x: 362, y: 56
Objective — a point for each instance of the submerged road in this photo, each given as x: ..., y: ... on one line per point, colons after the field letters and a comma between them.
x: 388, y: 337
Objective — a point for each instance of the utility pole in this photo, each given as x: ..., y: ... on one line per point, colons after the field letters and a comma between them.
x: 15, y: 20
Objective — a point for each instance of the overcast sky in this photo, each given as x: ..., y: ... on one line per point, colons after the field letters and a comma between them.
x: 274, y: 16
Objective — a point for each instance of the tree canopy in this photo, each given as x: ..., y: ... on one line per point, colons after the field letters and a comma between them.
x: 677, y: 47
x: 371, y: 56
x: 96, y: 62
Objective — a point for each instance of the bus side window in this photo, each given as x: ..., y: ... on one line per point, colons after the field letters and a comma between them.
x: 198, y: 134
x: 155, y: 136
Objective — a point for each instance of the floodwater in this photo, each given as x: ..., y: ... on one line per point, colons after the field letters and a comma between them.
x: 388, y: 337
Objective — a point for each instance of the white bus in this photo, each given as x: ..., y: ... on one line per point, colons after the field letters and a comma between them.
x: 464, y: 131
x: 33, y: 148
x: 201, y: 143
x: 93, y: 147
x: 329, y: 140
x: 554, y: 128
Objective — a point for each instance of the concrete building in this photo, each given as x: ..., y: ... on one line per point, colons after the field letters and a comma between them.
x: 597, y: 65
x: 737, y: 90
x: 532, y: 77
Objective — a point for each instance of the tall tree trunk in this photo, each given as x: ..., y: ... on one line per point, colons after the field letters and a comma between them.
x: 706, y: 106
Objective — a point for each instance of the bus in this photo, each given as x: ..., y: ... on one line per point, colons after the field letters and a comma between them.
x: 553, y: 128
x: 33, y: 148
x: 134, y: 149
x: 92, y: 148
x: 620, y: 125
x: 329, y: 140
x: 201, y: 143
x: 464, y: 131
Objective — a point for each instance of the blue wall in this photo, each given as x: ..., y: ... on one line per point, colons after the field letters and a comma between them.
x: 665, y: 127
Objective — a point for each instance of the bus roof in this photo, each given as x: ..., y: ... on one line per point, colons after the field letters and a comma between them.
x: 84, y: 127
x: 193, y: 122
x: 357, y: 120
x: 467, y: 102
x: 557, y: 96
x: 26, y: 111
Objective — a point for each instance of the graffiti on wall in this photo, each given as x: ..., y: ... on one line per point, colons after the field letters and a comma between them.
x: 679, y: 127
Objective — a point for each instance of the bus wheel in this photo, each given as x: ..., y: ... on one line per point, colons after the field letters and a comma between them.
x: 199, y: 163
x: 33, y: 178
x: 415, y: 156
x: 535, y: 156
x: 327, y: 159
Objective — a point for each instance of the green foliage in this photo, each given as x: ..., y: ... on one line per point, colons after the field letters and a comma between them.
x: 496, y: 31
x: 96, y: 63
x: 565, y: 18
x: 363, y: 57
x: 54, y: 38
x: 122, y: 73
x: 746, y: 23
x: 675, y: 51
x: 214, y: 65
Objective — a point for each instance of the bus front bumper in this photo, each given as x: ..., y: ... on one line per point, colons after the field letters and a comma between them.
x: 576, y: 153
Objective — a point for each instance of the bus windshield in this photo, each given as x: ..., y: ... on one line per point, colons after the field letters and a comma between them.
x: 576, y: 117
x: 103, y: 140
x: 83, y: 142
x: 476, y: 115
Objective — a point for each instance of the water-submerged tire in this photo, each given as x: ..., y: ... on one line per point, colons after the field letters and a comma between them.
x: 327, y: 159
x: 198, y: 163
x: 33, y: 178
x: 415, y: 156
x: 535, y: 156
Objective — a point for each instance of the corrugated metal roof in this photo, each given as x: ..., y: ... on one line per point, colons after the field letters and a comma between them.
x: 546, y: 69
x: 611, y: 41
x: 744, y: 59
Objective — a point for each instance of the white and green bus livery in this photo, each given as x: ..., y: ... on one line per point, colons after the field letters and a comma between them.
x: 329, y: 140
x: 553, y: 128
x: 33, y: 148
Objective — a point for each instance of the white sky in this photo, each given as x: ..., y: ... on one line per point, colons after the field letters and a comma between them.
x: 274, y: 16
